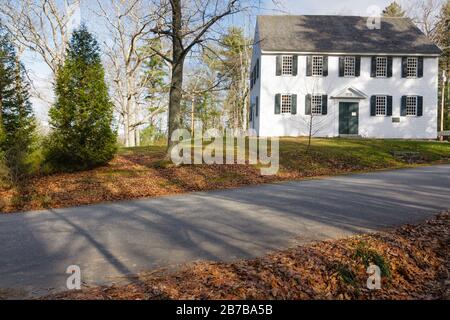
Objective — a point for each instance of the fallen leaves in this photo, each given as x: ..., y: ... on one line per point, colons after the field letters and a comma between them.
x: 417, y: 257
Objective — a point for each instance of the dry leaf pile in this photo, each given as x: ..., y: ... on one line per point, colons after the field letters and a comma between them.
x: 414, y: 260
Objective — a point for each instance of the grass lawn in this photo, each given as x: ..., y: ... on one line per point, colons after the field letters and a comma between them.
x: 413, y: 260
x: 142, y: 172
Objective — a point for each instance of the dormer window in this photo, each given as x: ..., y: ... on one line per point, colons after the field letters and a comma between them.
x: 288, y: 62
x: 411, y: 67
x: 317, y: 66
x: 381, y: 67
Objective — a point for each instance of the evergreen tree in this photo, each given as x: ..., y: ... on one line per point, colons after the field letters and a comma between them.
x: 17, y: 121
x: 82, y: 116
x: 393, y: 10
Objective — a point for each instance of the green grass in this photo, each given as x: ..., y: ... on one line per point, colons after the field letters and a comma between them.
x: 369, y: 256
x: 363, y: 153
x: 335, y: 153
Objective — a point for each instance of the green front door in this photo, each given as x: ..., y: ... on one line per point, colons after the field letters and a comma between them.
x: 348, y: 117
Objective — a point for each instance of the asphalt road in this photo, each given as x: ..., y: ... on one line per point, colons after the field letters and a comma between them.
x: 112, y: 241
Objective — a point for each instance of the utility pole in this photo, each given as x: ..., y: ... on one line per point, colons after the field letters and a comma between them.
x: 444, y: 81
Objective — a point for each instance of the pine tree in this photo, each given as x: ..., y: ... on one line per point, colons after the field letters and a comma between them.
x: 393, y: 10
x: 17, y: 121
x: 82, y: 116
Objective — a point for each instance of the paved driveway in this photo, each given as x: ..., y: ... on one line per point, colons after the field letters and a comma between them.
x: 111, y: 241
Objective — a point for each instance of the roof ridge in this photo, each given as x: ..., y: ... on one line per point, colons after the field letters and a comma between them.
x: 325, y: 15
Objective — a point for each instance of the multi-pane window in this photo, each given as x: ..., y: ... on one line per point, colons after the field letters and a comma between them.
x: 381, y: 67
x: 286, y: 103
x: 411, y: 67
x: 316, y: 104
x: 317, y: 65
x: 287, y: 64
x: 411, y: 105
x: 380, y: 105
x: 349, y: 66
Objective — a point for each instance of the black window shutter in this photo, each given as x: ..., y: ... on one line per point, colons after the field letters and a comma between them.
x: 257, y: 69
x: 419, y: 106
x: 373, y: 67
x: 373, y: 100
x: 325, y: 66
x: 403, y: 107
x: 420, y: 67
x: 251, y: 113
x: 308, y: 104
x: 294, y: 104
x: 294, y: 65
x: 278, y: 67
x: 357, y: 66
x: 324, y: 104
x: 251, y: 80
x: 257, y: 107
x: 341, y: 66
x: 389, y: 106
x: 277, y: 103
x: 404, y: 67
x: 308, y: 66
x: 389, y: 67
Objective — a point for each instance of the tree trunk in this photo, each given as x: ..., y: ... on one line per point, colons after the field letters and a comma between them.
x: 177, y: 73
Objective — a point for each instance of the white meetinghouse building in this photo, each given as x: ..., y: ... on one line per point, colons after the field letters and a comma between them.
x: 335, y: 76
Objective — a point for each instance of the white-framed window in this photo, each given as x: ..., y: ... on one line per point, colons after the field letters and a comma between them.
x: 316, y: 104
x: 286, y: 103
x: 411, y: 105
x: 287, y: 65
x: 317, y: 66
x: 380, y: 105
x: 349, y: 66
x: 411, y: 67
x: 381, y: 67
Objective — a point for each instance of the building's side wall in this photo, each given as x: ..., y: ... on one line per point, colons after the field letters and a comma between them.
x: 271, y: 124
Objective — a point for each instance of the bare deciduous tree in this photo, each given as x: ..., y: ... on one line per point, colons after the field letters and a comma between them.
x: 128, y: 25
x: 425, y: 14
x: 186, y: 24
x: 41, y: 26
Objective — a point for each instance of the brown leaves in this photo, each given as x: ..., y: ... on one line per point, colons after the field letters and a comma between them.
x: 418, y: 258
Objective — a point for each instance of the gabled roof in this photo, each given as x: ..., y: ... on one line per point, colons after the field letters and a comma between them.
x: 341, y: 34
